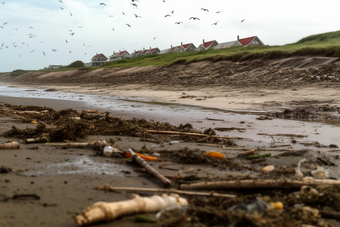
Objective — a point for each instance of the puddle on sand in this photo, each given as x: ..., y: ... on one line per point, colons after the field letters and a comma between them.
x: 81, y: 165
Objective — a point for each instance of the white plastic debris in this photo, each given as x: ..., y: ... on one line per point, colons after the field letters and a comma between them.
x: 297, y: 170
x: 108, y: 151
x: 320, y: 173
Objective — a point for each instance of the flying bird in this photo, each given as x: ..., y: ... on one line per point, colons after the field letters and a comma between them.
x: 80, y: 26
x: 61, y: 1
x: 54, y: 50
x: 71, y: 14
x: 178, y: 22
x: 194, y: 18
x: 205, y: 9
x: 44, y: 53
x: 137, y: 16
x: 134, y: 4
x: 62, y: 8
x: 102, y: 4
x: 128, y: 25
x: 154, y: 37
x: 66, y: 40
x: 1, y: 27
x: 218, y: 11
x: 31, y: 27
x: 168, y: 15
x: 123, y: 13
x: 243, y: 20
x: 172, y: 12
x: 3, y: 2
x: 113, y: 29
x: 110, y: 15
x: 134, y: 1
x: 31, y: 51
x: 215, y: 23
x: 72, y: 33
x: 5, y: 23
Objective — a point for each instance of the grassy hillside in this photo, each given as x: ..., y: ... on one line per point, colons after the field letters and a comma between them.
x: 326, y: 44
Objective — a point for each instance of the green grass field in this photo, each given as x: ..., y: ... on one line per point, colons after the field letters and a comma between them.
x: 325, y: 44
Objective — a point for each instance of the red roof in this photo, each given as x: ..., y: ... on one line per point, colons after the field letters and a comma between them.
x: 152, y: 50
x: 208, y: 44
x: 97, y: 56
x: 122, y: 52
x: 246, y: 41
x: 186, y: 45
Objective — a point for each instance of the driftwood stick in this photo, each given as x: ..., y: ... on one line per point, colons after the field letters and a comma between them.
x: 333, y: 150
x: 192, y: 134
x: 149, y: 169
x: 228, y: 129
x: 257, y: 184
x: 330, y: 214
x: 102, y: 211
x: 280, y: 134
x: 74, y: 145
x: 10, y: 145
x: 107, y: 187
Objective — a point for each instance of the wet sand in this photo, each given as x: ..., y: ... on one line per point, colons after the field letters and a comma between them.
x: 65, y: 179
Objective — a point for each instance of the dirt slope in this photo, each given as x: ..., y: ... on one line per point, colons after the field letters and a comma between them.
x: 297, y: 71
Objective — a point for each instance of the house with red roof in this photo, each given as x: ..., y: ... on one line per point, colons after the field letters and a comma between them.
x: 207, y: 45
x: 153, y: 51
x: 98, y: 59
x: 250, y: 41
x: 189, y: 47
x: 136, y: 53
x: 119, y: 55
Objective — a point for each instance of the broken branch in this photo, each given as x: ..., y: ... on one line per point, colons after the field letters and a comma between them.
x: 107, y: 187
x: 192, y: 134
x: 257, y: 184
x: 102, y: 211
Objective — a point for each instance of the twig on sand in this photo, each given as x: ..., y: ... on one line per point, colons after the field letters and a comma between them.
x: 193, y: 134
x: 280, y: 134
x: 257, y: 184
x: 213, y: 119
x: 107, y: 187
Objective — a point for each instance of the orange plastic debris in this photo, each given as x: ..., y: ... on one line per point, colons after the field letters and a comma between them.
x: 215, y: 154
x: 127, y: 154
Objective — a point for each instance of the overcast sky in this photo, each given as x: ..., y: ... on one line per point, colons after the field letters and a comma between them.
x: 38, y: 33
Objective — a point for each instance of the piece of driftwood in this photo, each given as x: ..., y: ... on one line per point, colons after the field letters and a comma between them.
x: 228, y: 129
x: 102, y: 211
x: 281, y: 145
x: 149, y: 169
x: 330, y: 214
x: 10, y: 145
x: 91, y: 111
x: 257, y: 184
x: 279, y: 134
x: 97, y: 145
x: 193, y: 134
x: 333, y: 150
x: 107, y: 187
x: 213, y: 119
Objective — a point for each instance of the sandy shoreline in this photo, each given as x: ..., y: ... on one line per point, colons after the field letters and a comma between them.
x: 249, y: 99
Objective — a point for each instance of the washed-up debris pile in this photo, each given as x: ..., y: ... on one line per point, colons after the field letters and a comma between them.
x: 68, y: 124
x: 311, y: 112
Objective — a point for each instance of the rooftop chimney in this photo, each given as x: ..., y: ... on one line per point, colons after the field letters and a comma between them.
x: 238, y: 38
x: 203, y: 41
x: 181, y: 44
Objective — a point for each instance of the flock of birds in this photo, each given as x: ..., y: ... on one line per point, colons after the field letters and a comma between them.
x: 133, y: 3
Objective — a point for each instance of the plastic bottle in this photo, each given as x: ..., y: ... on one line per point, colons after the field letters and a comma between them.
x: 108, y: 150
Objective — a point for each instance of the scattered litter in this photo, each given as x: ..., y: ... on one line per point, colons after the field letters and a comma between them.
x: 297, y: 170
x: 215, y: 154
x: 108, y: 151
x: 268, y: 168
x: 257, y: 205
x: 320, y: 173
